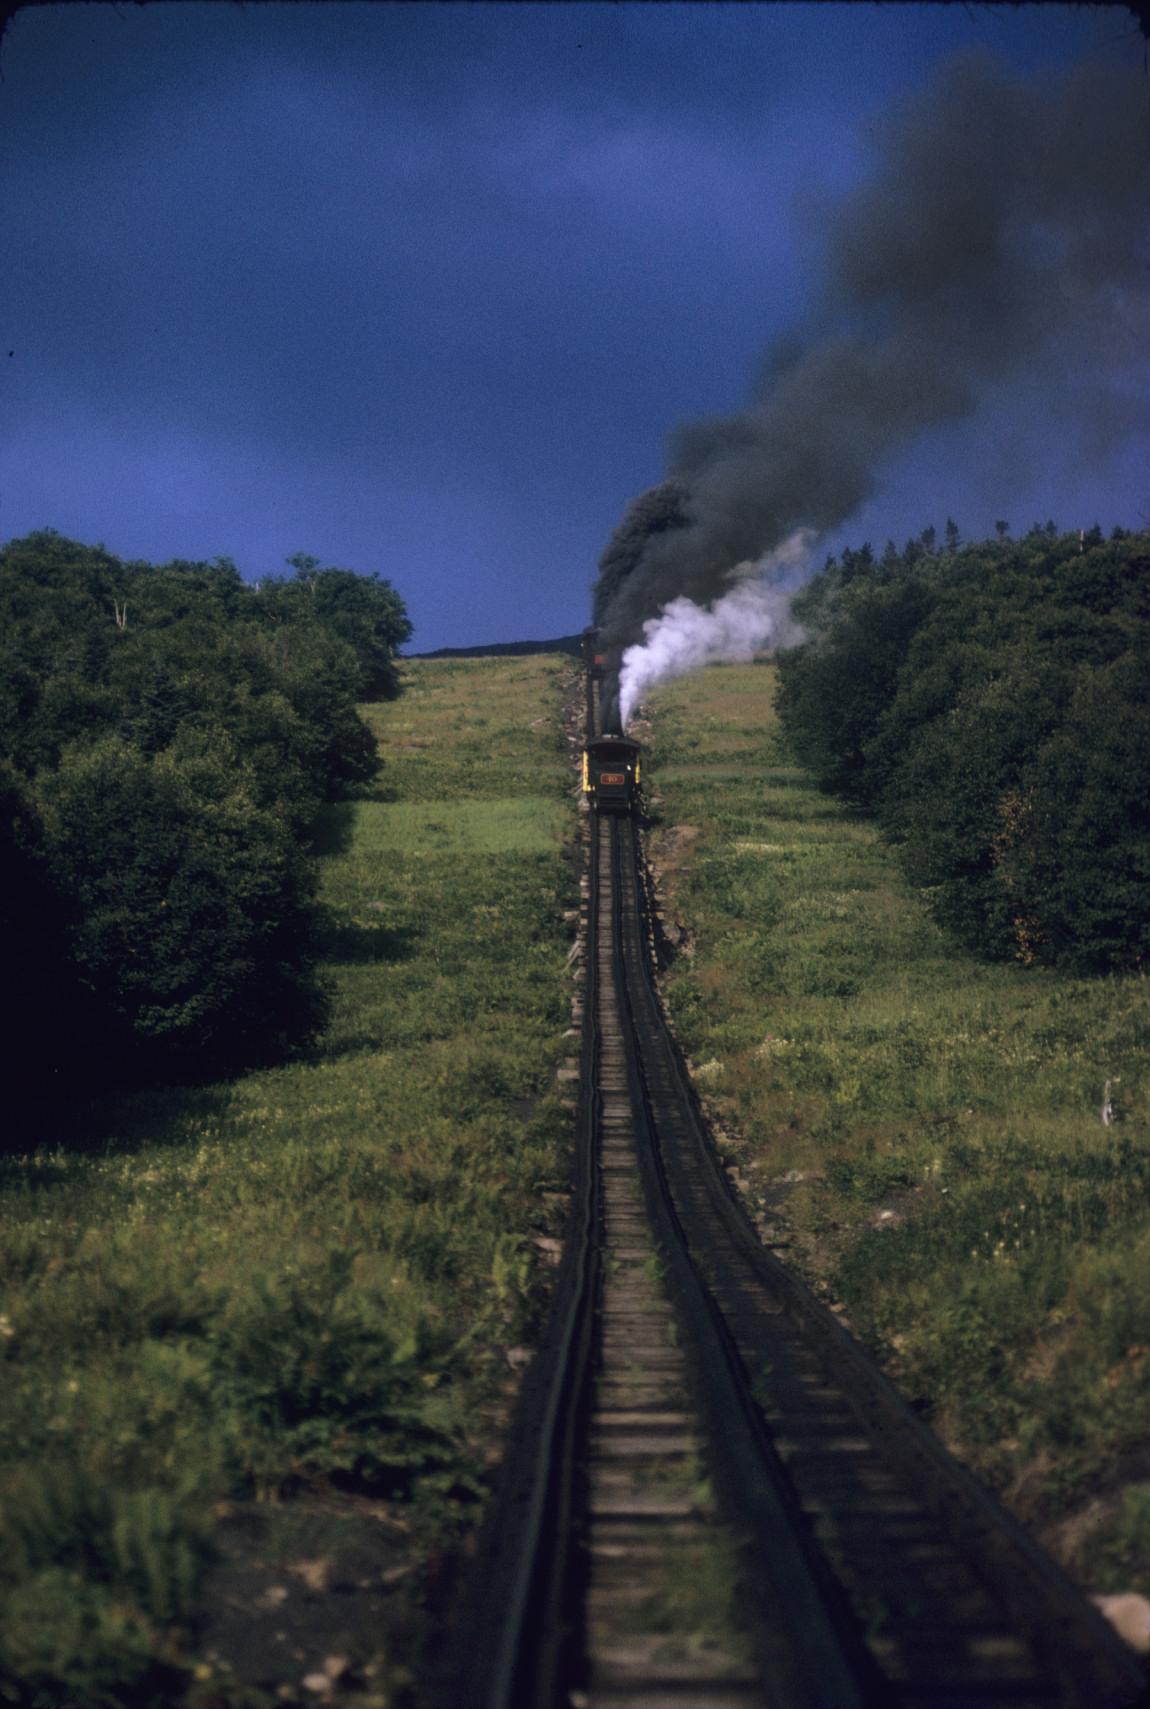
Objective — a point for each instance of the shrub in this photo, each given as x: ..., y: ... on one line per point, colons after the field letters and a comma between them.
x: 191, y: 905
x: 316, y: 1383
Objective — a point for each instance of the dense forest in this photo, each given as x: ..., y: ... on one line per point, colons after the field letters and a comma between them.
x: 168, y: 735
x: 990, y: 704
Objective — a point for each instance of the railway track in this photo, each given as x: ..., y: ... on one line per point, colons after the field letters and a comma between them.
x: 713, y: 1499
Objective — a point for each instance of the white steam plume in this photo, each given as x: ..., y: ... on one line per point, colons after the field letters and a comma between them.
x: 684, y: 636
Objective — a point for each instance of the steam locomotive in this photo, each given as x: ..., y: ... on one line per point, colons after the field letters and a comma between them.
x: 611, y: 773
x: 611, y: 764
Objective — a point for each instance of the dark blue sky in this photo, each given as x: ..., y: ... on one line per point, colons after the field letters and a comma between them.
x: 422, y: 289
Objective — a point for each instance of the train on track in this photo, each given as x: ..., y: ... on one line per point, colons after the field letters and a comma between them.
x: 611, y: 773
x: 611, y: 761
x: 695, y: 1414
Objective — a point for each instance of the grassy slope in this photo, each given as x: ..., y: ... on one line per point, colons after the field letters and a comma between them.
x: 313, y: 1271
x: 921, y: 1129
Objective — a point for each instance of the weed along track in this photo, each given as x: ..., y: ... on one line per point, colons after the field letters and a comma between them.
x: 713, y: 1498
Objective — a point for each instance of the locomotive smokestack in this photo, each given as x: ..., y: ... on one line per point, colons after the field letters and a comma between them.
x: 1001, y: 236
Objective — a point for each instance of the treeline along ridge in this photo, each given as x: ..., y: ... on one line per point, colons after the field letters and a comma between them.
x: 991, y: 705
x: 168, y: 735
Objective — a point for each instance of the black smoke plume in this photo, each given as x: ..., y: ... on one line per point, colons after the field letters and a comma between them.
x: 1002, y: 238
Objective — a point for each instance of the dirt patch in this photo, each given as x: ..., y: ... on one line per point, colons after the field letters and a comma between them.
x: 314, y: 1600
x: 668, y: 854
x: 670, y: 849
x: 1066, y: 1535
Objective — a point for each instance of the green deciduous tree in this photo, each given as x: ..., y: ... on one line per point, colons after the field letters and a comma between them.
x: 835, y: 690
x: 1075, y: 862
x: 42, y: 1005
x: 191, y: 904
x: 990, y: 705
x: 167, y: 737
x: 363, y: 611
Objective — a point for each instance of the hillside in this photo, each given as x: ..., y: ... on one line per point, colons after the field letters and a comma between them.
x: 506, y: 649
x: 258, y: 1335
x: 919, y: 1130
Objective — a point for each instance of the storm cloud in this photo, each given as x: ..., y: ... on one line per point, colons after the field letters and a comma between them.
x: 421, y: 289
x: 1000, y: 237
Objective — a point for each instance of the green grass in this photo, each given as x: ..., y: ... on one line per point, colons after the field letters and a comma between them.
x: 920, y: 1129
x: 527, y: 824
x: 473, y: 728
x: 310, y: 1274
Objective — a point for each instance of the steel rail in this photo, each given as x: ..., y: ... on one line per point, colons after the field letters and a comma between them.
x: 1077, y: 1653
x: 810, y: 1652
x: 511, y: 1645
x: 801, y: 1430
